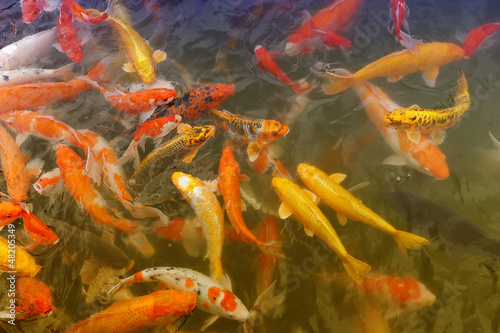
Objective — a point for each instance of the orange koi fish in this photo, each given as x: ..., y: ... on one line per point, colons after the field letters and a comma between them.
x: 68, y: 35
x: 187, y: 231
x: 33, y: 298
x: 80, y: 13
x: 13, y: 167
x: 428, y: 58
x: 9, y: 212
x: 32, y: 9
x: 269, y: 231
x: 139, y: 314
x: 297, y: 202
x: 23, y: 263
x: 153, y: 129
x: 477, y: 36
x: 256, y: 132
x: 210, y: 215
x: 229, y: 186
x: 347, y: 206
x: 38, y: 231
x: 79, y: 186
x: 47, y: 181
x: 193, y: 104
x: 265, y: 61
x: 425, y: 156
x: 141, y: 101
x: 332, y: 18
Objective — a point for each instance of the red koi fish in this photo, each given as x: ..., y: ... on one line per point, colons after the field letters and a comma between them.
x: 400, y: 12
x: 141, y: 101
x: 265, y: 61
x: 139, y: 313
x: 477, y: 36
x: 81, y: 14
x: 332, y: 18
x: 33, y: 298
x: 67, y: 34
x: 38, y: 231
x: 32, y: 9
x: 9, y: 212
x: 80, y: 187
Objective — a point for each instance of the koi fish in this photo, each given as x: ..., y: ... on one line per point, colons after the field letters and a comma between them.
x: 347, y: 206
x: 212, y: 297
x: 33, y: 298
x: 38, y: 231
x: 46, y: 183
x: 193, y: 104
x: 13, y: 168
x: 9, y: 212
x: 425, y: 156
x: 297, y: 202
x: 400, y: 12
x: 80, y: 187
x: 67, y: 34
x: 256, y: 132
x: 428, y: 58
x: 415, y: 121
x: 29, y: 75
x: 141, y: 101
x: 265, y: 61
x: 28, y: 50
x: 229, y: 186
x: 269, y: 231
x: 32, y: 9
x: 140, y: 313
x: 184, y: 146
x: 81, y: 14
x: 153, y: 129
x: 477, y: 36
x: 187, y: 231
x: 23, y: 264
x: 210, y: 215
x: 332, y: 40
x: 332, y: 18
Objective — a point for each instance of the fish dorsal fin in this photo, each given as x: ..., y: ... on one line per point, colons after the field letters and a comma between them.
x: 189, y: 156
x: 342, y: 219
x: 394, y: 160
x: 182, y: 128
x: 225, y: 281
x: 337, y: 177
x: 284, y: 211
x: 413, y: 136
x: 308, y: 232
x: 128, y: 67
x: 159, y: 56
x: 313, y: 196
x: 253, y: 150
x: 414, y: 107
x: 438, y: 136
x: 430, y: 76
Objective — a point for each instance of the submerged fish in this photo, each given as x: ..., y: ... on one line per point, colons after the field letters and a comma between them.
x: 29, y: 75
x: 140, y: 101
x: 415, y: 121
x: 67, y: 34
x: 477, y: 36
x: 400, y: 12
x: 439, y: 221
x: 23, y: 264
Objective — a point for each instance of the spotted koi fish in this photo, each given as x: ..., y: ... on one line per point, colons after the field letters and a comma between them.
x: 183, y: 146
x: 24, y: 264
x: 209, y: 213
x: 193, y: 104
x: 255, y: 132
x: 415, y: 121
x: 139, y: 313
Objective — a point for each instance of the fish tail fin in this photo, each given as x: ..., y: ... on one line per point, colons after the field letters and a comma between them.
x: 409, y: 42
x: 356, y: 268
x: 101, y: 72
x: 338, y: 83
x: 128, y: 154
x: 265, y: 302
x: 65, y: 73
x: 408, y: 240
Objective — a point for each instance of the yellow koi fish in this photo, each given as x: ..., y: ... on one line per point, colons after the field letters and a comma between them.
x: 347, y: 206
x: 297, y: 202
x: 15, y: 258
x: 415, y: 121
x: 209, y: 213
x: 428, y: 58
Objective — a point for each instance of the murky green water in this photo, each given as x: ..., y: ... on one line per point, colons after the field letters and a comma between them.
x: 333, y: 132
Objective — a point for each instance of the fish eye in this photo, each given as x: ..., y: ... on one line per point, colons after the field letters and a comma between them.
x: 164, y: 99
x: 132, y: 182
x: 8, y: 216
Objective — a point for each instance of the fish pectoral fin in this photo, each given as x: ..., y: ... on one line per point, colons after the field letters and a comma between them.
x: 161, y: 286
x: 210, y: 320
x: 308, y: 232
x: 337, y: 177
x: 128, y: 67
x: 359, y: 186
x: 20, y: 138
x: 159, y: 56
x: 430, y: 76
x: 284, y: 211
x: 253, y: 150
x: 225, y: 281
x: 244, y: 177
x: 342, y: 219
x: 395, y: 78
x: 189, y: 156
x: 394, y: 160
x: 413, y: 136
x: 181, y: 128
x: 438, y: 136
x: 313, y: 196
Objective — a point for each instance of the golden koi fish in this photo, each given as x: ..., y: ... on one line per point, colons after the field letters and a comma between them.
x: 416, y: 121
x: 16, y: 259
x: 428, y: 58
x: 297, y: 202
x: 346, y: 205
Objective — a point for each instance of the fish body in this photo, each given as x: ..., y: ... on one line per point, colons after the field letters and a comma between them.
x: 415, y: 121
x: 193, y: 104
x: 80, y: 187
x: 29, y: 75
x: 9, y: 212
x: 183, y: 147
x: 27, y: 51
x: 139, y: 313
x: 47, y: 181
x: 34, y: 299
x: 424, y: 156
x: 67, y: 34
x: 23, y: 263
x: 400, y: 12
x: 212, y: 297
x: 141, y: 101
x: 477, y: 36
x: 427, y: 57
x: 38, y: 231
x: 265, y: 61
x: 13, y: 167
x: 209, y: 213
x: 298, y: 203
x: 347, y: 206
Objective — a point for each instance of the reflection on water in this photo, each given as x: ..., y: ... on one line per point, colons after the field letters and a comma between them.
x: 213, y: 41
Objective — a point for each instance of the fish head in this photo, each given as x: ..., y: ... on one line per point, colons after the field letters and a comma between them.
x: 31, y: 10
x: 280, y: 184
x: 9, y: 212
x: 161, y: 96
x: 272, y: 130
x: 146, y: 71
x: 67, y: 158
x: 397, y: 118
x: 226, y: 304
x: 306, y: 172
x: 198, y: 135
